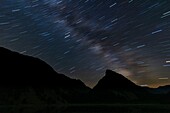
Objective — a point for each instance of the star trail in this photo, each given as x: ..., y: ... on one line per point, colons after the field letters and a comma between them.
x: 83, y: 38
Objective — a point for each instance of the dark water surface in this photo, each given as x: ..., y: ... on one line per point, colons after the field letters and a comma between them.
x: 87, y: 108
x: 118, y: 108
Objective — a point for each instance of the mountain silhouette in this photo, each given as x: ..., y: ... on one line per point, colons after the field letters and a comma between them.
x: 21, y: 70
x: 115, y: 81
x: 21, y: 75
x: 161, y: 90
x: 28, y: 84
x: 114, y: 87
x: 31, y: 78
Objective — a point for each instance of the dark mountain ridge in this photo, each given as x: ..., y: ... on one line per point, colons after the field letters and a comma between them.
x: 21, y: 70
x: 27, y: 79
x: 113, y: 80
x: 114, y: 87
x: 25, y: 72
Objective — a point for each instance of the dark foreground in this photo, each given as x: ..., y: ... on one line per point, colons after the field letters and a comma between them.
x: 87, y: 108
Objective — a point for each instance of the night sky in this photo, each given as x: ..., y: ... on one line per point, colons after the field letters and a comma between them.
x: 83, y: 38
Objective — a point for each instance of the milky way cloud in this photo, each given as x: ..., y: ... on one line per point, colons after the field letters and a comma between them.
x: 83, y: 38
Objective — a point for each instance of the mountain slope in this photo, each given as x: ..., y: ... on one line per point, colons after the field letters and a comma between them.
x: 163, y: 89
x: 27, y: 77
x: 115, y: 81
x: 21, y: 75
x: 17, y: 69
x: 114, y: 87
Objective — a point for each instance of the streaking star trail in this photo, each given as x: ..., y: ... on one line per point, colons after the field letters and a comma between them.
x: 83, y: 38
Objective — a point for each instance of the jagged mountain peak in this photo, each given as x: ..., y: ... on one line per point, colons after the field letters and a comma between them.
x: 113, y: 80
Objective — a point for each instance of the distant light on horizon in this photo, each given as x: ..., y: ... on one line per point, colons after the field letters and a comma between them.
x: 144, y: 85
x: 168, y: 61
x: 165, y: 78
